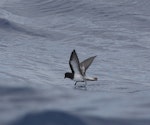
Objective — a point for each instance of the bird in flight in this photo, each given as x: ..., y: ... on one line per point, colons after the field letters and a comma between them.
x: 78, y: 69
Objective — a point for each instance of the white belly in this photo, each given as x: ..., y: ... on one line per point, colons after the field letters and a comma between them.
x: 78, y: 77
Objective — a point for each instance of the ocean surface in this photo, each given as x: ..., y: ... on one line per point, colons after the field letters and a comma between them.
x: 36, y: 40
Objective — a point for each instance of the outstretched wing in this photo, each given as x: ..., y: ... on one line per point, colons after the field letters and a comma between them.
x: 86, y: 63
x: 74, y: 63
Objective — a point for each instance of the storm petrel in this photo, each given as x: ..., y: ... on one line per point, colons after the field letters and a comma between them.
x: 78, y: 69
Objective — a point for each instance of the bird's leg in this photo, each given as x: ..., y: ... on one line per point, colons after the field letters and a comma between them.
x: 75, y: 83
x: 85, y: 82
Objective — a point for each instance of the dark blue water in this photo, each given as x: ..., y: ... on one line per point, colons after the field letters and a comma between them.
x: 36, y: 39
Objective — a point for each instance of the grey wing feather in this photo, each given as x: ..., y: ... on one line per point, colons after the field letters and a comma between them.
x: 74, y: 63
x: 86, y: 63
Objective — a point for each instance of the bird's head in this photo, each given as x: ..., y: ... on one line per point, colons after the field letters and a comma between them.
x: 68, y: 75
